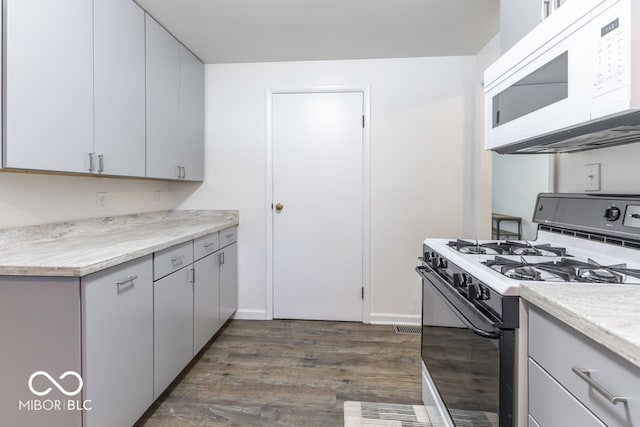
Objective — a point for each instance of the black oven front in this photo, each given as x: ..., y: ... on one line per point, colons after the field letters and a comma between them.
x: 468, y: 349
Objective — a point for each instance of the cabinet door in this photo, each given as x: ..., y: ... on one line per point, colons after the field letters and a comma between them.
x: 206, y: 301
x: 49, y: 84
x: 192, y: 114
x: 119, y: 87
x: 39, y: 331
x: 163, y: 102
x: 228, y: 281
x: 173, y: 327
x: 118, y: 343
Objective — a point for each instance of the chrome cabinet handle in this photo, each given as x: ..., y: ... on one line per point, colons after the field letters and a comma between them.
x: 184, y: 172
x: 179, y: 171
x: 222, y: 258
x: 91, y: 165
x: 208, y: 246
x: 192, y: 275
x: 100, y: 163
x: 129, y: 279
x: 585, y: 375
x: 546, y: 9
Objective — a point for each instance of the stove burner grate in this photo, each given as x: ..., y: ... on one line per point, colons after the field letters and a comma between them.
x: 564, y: 270
x: 506, y: 247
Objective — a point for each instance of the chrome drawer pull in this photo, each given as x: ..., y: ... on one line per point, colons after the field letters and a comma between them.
x: 228, y: 236
x: 585, y: 375
x: 129, y: 279
x: 208, y: 246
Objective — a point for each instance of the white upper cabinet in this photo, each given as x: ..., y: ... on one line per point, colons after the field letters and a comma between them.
x: 119, y: 40
x: 163, y: 103
x: 192, y: 114
x: 49, y: 84
x: 175, y: 108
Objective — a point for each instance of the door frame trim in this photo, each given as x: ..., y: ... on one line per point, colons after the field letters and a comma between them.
x: 365, y: 90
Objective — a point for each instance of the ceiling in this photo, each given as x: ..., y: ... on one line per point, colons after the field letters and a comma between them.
x: 227, y: 31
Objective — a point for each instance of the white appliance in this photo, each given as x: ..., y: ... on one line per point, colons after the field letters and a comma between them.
x: 571, y: 84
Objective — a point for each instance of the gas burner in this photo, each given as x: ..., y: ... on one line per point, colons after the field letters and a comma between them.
x: 523, y: 270
x: 593, y: 272
x: 564, y: 270
x: 526, y: 248
x: 467, y: 247
x: 506, y: 247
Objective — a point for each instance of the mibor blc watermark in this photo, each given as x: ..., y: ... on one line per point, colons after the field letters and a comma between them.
x: 55, y: 404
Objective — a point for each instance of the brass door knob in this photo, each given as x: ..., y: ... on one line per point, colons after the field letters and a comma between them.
x: 279, y: 207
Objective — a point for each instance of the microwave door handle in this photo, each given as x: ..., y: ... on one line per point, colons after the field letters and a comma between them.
x: 478, y: 331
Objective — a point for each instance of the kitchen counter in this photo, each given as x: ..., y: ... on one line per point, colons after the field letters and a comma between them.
x: 608, y: 314
x: 79, y: 248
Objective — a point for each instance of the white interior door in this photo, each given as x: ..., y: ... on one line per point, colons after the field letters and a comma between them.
x: 318, y: 180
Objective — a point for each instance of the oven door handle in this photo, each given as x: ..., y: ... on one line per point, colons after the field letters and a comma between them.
x: 478, y: 331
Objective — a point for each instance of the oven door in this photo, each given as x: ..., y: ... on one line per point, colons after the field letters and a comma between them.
x: 461, y: 351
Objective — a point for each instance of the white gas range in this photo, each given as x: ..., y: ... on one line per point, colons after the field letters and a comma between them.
x: 471, y: 345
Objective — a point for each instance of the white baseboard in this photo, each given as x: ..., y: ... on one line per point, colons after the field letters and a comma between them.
x: 250, y: 314
x: 395, y: 319
x: 374, y: 319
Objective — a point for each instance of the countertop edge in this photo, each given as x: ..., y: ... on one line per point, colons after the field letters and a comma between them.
x: 85, y: 270
x: 619, y: 345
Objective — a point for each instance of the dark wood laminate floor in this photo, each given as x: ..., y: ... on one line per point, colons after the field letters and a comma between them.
x: 290, y: 373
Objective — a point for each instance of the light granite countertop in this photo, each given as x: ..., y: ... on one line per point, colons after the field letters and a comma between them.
x: 608, y: 314
x: 79, y: 248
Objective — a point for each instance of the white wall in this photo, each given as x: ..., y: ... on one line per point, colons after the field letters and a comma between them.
x: 422, y: 135
x: 619, y: 169
x: 28, y: 199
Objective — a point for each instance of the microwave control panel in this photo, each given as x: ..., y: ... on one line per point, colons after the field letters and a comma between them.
x: 610, y: 60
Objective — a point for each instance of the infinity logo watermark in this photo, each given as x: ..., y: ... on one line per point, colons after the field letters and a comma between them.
x: 54, y: 404
x: 55, y: 383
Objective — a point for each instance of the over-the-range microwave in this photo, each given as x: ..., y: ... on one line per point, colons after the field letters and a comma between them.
x: 571, y: 84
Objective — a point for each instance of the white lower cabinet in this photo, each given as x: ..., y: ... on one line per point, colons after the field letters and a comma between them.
x: 570, y: 376
x: 206, y: 301
x: 172, y: 327
x: 117, y: 336
x: 228, y: 281
x: 552, y: 405
x: 127, y: 335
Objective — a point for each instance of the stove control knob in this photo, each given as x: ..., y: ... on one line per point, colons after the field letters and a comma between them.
x: 443, y: 263
x: 433, y: 260
x: 465, y: 280
x: 612, y: 214
x: 472, y: 292
x: 457, y: 279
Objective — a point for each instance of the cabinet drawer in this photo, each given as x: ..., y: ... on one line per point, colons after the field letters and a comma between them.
x: 228, y: 236
x: 553, y: 406
x: 558, y: 348
x: 205, y: 245
x: 172, y: 259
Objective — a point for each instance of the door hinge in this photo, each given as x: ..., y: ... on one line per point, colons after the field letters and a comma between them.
x: 363, y: 121
x: 363, y: 292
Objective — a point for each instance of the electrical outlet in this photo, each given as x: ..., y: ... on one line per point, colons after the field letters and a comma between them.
x: 157, y: 198
x: 592, y: 177
x: 102, y: 200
